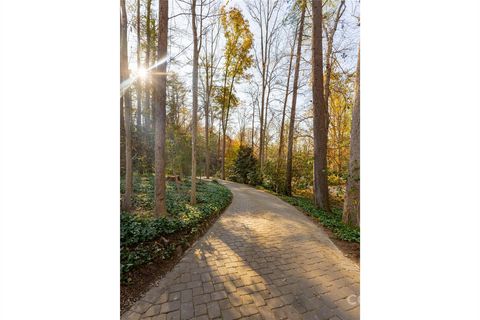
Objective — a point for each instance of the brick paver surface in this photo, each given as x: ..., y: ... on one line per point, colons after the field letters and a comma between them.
x: 262, y: 259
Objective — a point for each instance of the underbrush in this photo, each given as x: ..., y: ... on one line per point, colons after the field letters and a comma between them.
x: 331, y: 221
x: 144, y: 237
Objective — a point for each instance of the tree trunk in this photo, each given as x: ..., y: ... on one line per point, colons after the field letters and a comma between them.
x: 287, y: 89
x: 288, y: 175
x: 139, y: 84
x: 210, y: 69
x: 224, y: 128
x: 329, y: 53
x: 218, y: 143
x: 147, y: 106
x: 207, y: 116
x: 122, y: 139
x: 207, y: 146
x: 124, y: 74
x: 223, y: 153
x: 262, y: 116
x: 160, y: 95
x: 226, y: 124
x: 193, y: 195
x: 253, y: 128
x: 351, y: 208
x: 320, y: 114
x: 265, y: 132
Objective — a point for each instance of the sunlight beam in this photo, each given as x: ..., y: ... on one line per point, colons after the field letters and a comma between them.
x: 142, y: 74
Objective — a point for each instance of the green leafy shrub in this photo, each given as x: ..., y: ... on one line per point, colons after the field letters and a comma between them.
x: 245, y: 169
x: 273, y: 177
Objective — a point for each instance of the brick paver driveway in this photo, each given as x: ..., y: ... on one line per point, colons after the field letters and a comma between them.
x: 262, y: 259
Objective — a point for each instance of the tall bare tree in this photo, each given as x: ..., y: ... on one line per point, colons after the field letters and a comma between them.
x: 139, y: 65
x: 266, y: 15
x: 160, y: 95
x: 148, y: 49
x: 197, y: 45
x: 210, y: 64
x: 272, y: 85
x: 320, y: 113
x: 288, y: 175
x: 196, y: 49
x: 287, y: 92
x: 127, y: 100
x: 351, y: 208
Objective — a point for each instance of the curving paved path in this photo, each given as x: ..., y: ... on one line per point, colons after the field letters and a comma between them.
x: 262, y: 259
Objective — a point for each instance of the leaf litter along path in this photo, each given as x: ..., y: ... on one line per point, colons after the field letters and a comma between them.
x: 262, y: 259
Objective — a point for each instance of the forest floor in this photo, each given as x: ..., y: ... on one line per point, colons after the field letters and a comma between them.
x: 262, y: 259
